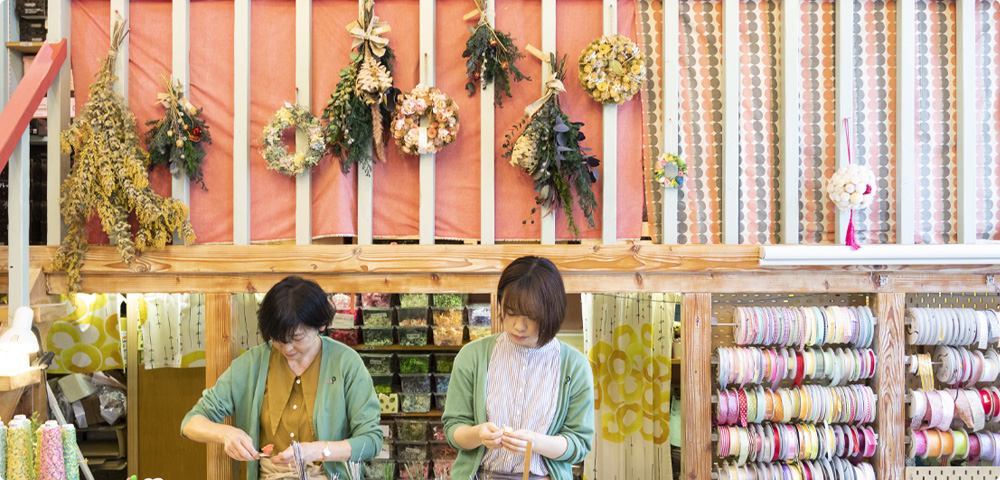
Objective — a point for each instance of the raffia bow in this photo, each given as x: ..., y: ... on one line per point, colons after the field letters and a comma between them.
x: 369, y: 35
x: 552, y: 87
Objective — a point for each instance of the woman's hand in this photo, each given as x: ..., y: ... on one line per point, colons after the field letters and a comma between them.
x: 517, y: 441
x: 490, y: 435
x: 238, y: 445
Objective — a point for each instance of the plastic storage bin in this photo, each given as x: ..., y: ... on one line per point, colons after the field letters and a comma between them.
x: 436, y: 430
x: 441, y: 381
x: 415, y: 383
x: 414, y: 300
x: 411, y: 430
x: 447, y: 317
x: 414, y: 362
x: 439, y: 400
x: 412, y: 336
x: 479, y: 315
x: 448, y: 336
x: 378, y: 363
x: 410, y: 452
x: 443, y: 451
x: 378, y: 336
x: 450, y: 299
x: 475, y: 333
x: 421, y: 469
x: 442, y: 468
x: 443, y: 362
x: 374, y: 469
x: 382, y: 383
x: 377, y: 317
x: 415, y: 402
x: 347, y: 336
x: 375, y: 300
x: 411, y: 317
x: 388, y: 430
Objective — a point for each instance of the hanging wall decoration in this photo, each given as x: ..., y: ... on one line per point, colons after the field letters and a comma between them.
x: 273, y: 148
x: 426, y: 121
x: 612, y: 69
x: 851, y: 188
x: 546, y: 145
x: 175, y: 141
x: 109, y: 176
x: 358, y: 112
x: 670, y: 171
x: 492, y: 56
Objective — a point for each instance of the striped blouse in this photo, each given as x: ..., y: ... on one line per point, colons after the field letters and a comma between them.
x: 522, y: 385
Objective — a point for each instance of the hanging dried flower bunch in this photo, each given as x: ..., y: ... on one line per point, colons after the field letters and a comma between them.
x: 546, y: 145
x: 492, y: 57
x: 109, y: 176
x: 359, y: 111
x: 175, y: 141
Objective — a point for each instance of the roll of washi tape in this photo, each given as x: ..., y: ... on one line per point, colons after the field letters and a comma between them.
x: 50, y: 457
x: 70, y: 458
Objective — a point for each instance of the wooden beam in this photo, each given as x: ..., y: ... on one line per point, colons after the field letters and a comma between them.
x: 303, y: 92
x: 966, y: 122
x: 696, y: 372
x: 219, y: 354
x: 241, y: 123
x: 844, y: 92
x: 789, y: 153
x: 29, y: 92
x: 890, y: 385
x: 487, y: 154
x: 428, y: 78
x: 548, y: 220
x: 671, y: 111
x: 26, y: 378
x: 181, y: 72
x: 132, y: 368
x: 609, y: 204
x: 730, y: 121
x: 57, y: 168
x: 906, y: 121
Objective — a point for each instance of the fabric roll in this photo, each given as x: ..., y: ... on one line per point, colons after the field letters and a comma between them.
x: 50, y: 452
x: 71, y: 461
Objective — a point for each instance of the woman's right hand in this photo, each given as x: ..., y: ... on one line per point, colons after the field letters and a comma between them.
x: 490, y: 435
x: 238, y: 445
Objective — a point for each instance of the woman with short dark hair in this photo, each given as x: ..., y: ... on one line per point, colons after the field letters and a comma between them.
x: 521, y: 386
x: 299, y: 386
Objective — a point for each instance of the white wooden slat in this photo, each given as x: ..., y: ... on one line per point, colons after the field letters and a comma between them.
x: 181, y: 71
x: 548, y: 217
x: 789, y: 160
x: 58, y: 121
x: 303, y: 92
x: 906, y: 120
x: 730, y: 120
x: 19, y: 185
x: 609, y: 204
x: 487, y: 155
x: 844, y: 92
x: 241, y: 123
x: 120, y: 7
x: 366, y: 187
x: 967, y: 126
x: 427, y: 53
x: 671, y: 109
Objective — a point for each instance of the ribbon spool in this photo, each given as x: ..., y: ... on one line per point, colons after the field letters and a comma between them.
x: 50, y: 452
x: 20, y: 455
x: 804, y: 326
x: 952, y: 326
x: 3, y: 449
x: 852, y: 404
x: 70, y: 459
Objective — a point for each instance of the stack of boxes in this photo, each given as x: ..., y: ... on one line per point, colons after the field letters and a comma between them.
x: 31, y: 14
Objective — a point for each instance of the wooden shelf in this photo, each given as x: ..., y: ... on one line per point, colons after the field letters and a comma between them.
x: 29, y: 377
x: 25, y: 47
x: 432, y: 413
x: 399, y: 348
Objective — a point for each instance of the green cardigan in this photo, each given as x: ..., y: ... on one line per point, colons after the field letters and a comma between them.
x: 574, y: 417
x: 346, y: 405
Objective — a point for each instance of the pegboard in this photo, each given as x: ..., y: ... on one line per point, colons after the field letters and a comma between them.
x: 952, y: 473
x: 977, y: 301
x: 724, y: 304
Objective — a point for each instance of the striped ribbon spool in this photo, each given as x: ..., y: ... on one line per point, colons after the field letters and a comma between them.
x: 70, y: 460
x: 50, y: 452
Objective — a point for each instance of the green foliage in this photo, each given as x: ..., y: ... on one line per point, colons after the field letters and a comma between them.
x: 108, y: 175
x: 560, y: 164
x: 492, y: 57
x: 175, y: 141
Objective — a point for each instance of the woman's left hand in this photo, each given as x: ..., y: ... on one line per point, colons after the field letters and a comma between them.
x: 287, y: 457
x: 517, y: 441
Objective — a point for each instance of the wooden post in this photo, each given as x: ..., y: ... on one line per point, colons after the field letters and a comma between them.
x: 241, y: 123
x: 696, y: 375
x: 180, y: 70
x: 730, y: 123
x: 132, y: 377
x: 889, y: 385
x: 303, y: 97
x: 219, y: 353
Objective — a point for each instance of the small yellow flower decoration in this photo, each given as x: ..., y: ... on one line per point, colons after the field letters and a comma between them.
x: 612, y: 69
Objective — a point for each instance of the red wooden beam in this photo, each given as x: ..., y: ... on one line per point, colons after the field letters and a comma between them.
x: 22, y: 105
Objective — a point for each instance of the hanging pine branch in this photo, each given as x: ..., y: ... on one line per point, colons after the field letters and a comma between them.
x: 109, y: 176
x: 175, y: 141
x: 492, y: 57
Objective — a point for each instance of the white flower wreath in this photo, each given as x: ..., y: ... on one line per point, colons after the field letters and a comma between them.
x: 274, y: 152
x: 426, y: 121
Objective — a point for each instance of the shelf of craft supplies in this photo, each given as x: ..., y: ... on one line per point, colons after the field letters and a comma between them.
x: 396, y: 348
x: 26, y: 378
x: 432, y: 413
x: 25, y: 47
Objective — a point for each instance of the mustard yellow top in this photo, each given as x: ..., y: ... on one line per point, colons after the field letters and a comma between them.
x: 286, y: 413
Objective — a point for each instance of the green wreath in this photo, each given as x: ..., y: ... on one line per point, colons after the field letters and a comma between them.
x: 274, y: 151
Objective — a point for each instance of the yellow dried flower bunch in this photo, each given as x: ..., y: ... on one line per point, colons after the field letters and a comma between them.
x: 109, y: 176
x: 612, y: 69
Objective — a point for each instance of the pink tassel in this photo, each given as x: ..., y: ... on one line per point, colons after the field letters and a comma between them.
x: 850, y: 240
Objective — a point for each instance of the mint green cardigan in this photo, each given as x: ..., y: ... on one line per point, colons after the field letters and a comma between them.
x: 346, y: 405
x: 574, y: 417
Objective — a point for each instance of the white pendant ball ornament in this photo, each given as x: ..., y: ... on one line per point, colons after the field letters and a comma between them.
x: 852, y: 187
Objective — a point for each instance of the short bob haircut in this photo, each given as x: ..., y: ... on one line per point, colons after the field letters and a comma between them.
x: 294, y: 302
x: 533, y: 287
